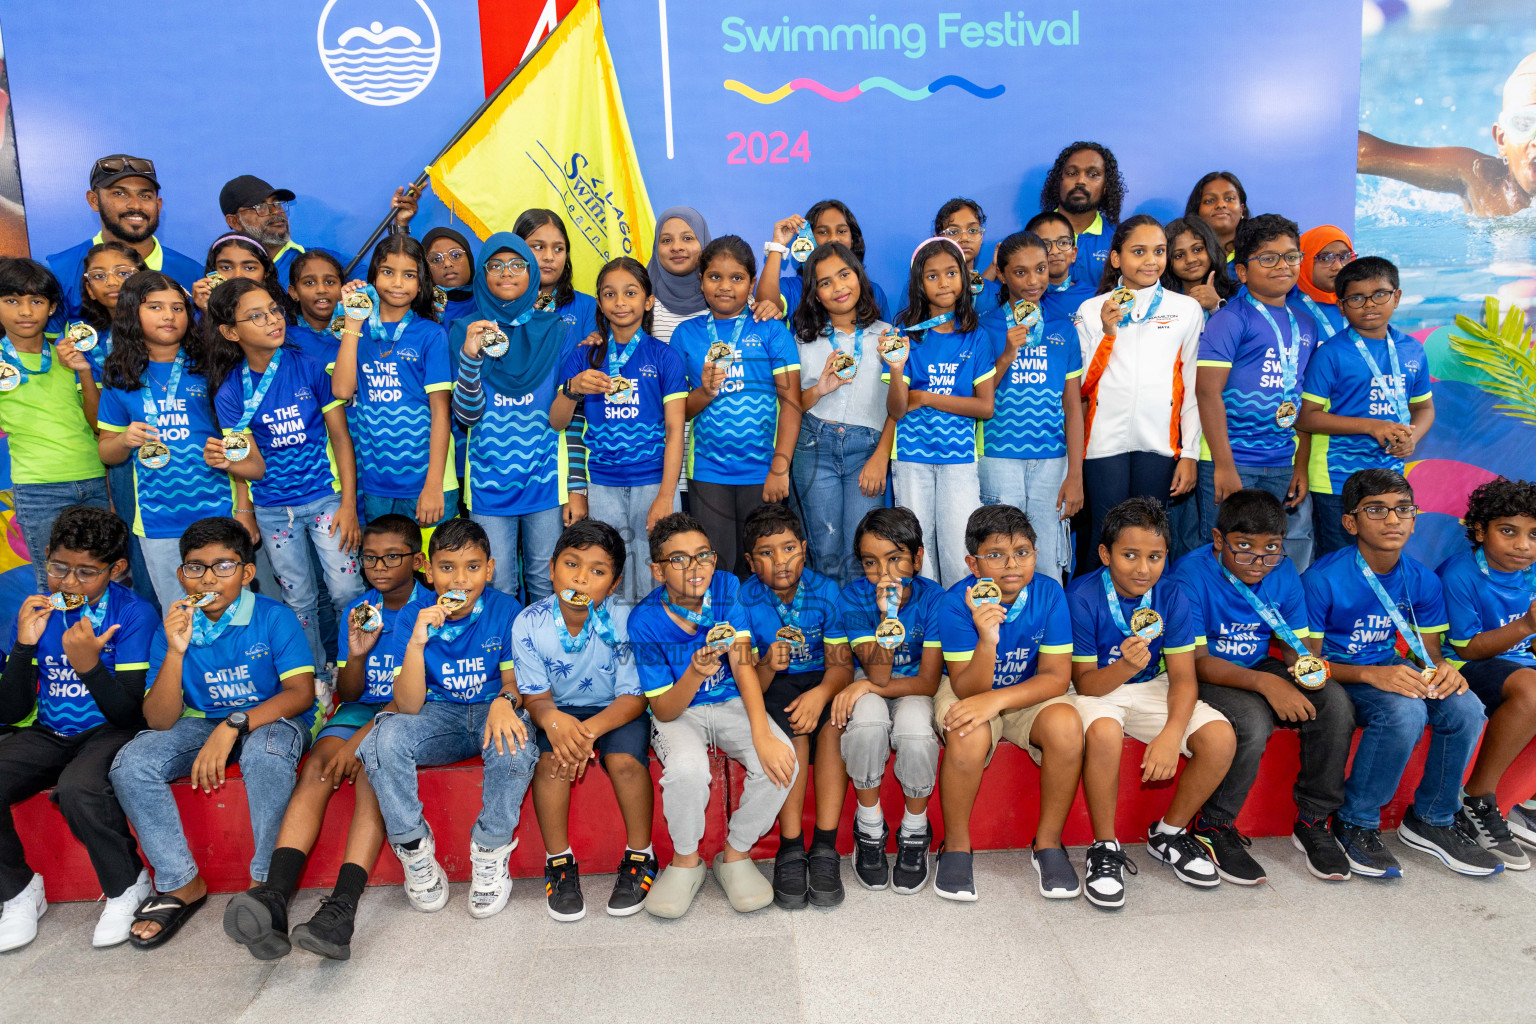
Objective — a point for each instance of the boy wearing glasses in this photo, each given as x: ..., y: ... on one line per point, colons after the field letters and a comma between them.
x: 1366, y: 398
x: 1246, y: 597
x: 1064, y: 293
x: 681, y: 637
x: 76, y: 677
x: 1360, y: 599
x: 1254, y: 355
x: 233, y: 680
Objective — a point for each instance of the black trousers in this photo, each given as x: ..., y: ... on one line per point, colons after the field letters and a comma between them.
x: 723, y: 509
x: 34, y: 758
x: 1110, y: 480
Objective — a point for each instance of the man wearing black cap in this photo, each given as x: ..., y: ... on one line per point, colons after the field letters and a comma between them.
x: 259, y: 211
x: 125, y: 194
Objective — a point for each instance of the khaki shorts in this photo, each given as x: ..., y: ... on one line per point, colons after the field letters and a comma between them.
x: 1141, y: 709
x: 1013, y: 726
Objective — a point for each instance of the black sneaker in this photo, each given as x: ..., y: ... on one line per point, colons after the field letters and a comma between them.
x: 1106, y: 863
x: 1455, y: 849
x: 1229, y: 849
x: 826, y: 886
x: 329, y: 932
x: 562, y: 885
x: 1058, y: 879
x: 1480, y: 819
x: 953, y: 876
x: 636, y: 873
x: 870, y: 864
x: 911, y: 871
x: 1324, y: 858
x: 791, y: 877
x: 258, y: 920
x: 1182, y: 852
x: 1366, y: 853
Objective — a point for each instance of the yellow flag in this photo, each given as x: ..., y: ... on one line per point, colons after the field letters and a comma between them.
x: 556, y: 137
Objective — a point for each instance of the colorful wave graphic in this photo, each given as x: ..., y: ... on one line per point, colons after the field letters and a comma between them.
x: 868, y: 85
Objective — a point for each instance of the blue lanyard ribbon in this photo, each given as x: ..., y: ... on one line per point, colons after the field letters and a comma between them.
x: 151, y: 410
x: 739, y: 321
x: 1527, y: 577
x: 599, y: 620
x: 1017, y: 608
x: 858, y: 344
x: 254, y: 396
x: 14, y: 359
x: 92, y: 614
x: 933, y: 321
x: 205, y: 630
x: 615, y: 366
x: 1323, y: 322
x: 1129, y: 316
x: 701, y: 618
x: 1268, y: 613
x: 1415, y: 643
x: 1060, y: 287
x: 97, y: 356
x: 449, y: 632
x: 376, y: 320
x: 1115, y: 612
x: 1290, y: 358
x: 1399, y: 390
x: 789, y: 614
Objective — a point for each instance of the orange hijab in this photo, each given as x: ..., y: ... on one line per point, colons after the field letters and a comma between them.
x: 1312, y: 243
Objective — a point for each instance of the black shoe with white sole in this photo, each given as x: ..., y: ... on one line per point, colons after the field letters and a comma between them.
x: 1107, y: 863
x: 636, y: 873
x: 911, y: 871
x: 1325, y: 859
x: 562, y: 887
x: 1366, y: 853
x: 1228, y: 848
x: 1481, y: 820
x: 1449, y: 844
x: 954, y: 876
x: 1058, y: 878
x: 1183, y: 852
x: 870, y: 864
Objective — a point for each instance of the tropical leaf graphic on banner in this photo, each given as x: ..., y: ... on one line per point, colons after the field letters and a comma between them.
x: 1501, y: 349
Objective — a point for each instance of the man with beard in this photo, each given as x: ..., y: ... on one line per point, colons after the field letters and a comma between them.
x: 125, y: 194
x: 1086, y: 187
x: 259, y: 211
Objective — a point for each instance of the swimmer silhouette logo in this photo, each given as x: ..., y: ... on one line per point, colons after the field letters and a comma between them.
x: 385, y: 60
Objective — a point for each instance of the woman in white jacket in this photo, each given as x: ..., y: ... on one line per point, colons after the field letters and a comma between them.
x: 1140, y: 344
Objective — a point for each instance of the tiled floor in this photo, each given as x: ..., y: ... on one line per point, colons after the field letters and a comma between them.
x: 1432, y: 947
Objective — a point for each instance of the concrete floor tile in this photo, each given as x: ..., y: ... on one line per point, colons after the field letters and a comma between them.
x: 164, y: 996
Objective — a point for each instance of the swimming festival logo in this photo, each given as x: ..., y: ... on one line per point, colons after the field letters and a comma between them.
x: 868, y: 85
x: 380, y: 62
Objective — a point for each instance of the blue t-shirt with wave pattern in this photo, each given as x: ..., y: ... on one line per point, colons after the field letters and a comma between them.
x: 289, y: 429
x: 944, y: 364
x: 516, y: 462
x: 732, y: 439
x: 392, y: 430
x: 1028, y: 421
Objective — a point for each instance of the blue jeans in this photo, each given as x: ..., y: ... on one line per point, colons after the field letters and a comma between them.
x: 375, y: 506
x: 1328, y: 531
x: 38, y: 505
x: 528, y: 564
x: 162, y: 557
x: 943, y: 498
x: 143, y: 771
x: 291, y: 534
x: 825, y: 470
x: 120, y: 486
x: 625, y: 509
x: 443, y: 732
x: 1277, y: 481
x: 1391, y: 725
x: 1033, y: 485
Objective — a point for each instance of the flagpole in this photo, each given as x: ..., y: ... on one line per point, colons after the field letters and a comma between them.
x: 421, y: 180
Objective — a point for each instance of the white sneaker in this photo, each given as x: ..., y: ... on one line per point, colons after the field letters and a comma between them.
x: 426, y: 883
x: 117, y: 918
x: 490, y: 882
x: 19, y: 914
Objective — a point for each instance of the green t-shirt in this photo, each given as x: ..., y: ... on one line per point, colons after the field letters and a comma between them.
x: 51, y: 443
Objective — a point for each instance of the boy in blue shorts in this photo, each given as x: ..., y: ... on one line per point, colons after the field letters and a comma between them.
x: 681, y: 635
x: 788, y: 611
x: 1360, y: 600
x: 1490, y: 595
x: 579, y: 683
x: 1133, y: 668
x: 76, y: 677
x: 1245, y: 596
x: 455, y: 697
x: 258, y: 919
x: 1007, y: 639
x: 889, y: 707
x: 1366, y: 399
x: 233, y: 681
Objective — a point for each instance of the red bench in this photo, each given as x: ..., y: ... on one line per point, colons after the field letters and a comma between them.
x: 218, y: 825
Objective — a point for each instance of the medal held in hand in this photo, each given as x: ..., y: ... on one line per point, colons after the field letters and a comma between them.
x: 793, y: 635
x: 1146, y: 623
x: 621, y: 391
x: 204, y: 599
x: 720, y: 636
x: 1123, y: 296
x: 64, y: 601
x: 844, y: 366
x: 803, y: 245
x: 154, y: 455
x: 720, y: 354
x: 985, y: 591
x: 890, y: 633
x: 1026, y: 313
x: 494, y: 342
x: 893, y: 346
x: 82, y: 335
x: 367, y: 618
x: 237, y: 446
x: 452, y: 600
x: 10, y: 377
x: 1310, y: 672
x: 338, y: 324
x: 357, y: 305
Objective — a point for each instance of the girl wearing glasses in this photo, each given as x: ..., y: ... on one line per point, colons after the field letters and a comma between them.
x: 451, y: 261
x: 1324, y: 252
x: 962, y: 221
x: 828, y: 221
x: 518, y: 468
x: 545, y: 234
x: 107, y: 266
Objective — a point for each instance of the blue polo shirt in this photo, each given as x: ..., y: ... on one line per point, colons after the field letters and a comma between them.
x: 169, y: 499
x: 289, y: 428
x: 379, y: 676
x: 945, y: 364
x: 69, y: 267
x: 759, y: 614
x: 64, y: 704
x: 1226, y: 623
x: 589, y: 678
x: 1342, y: 609
x: 792, y: 289
x: 1238, y: 337
x: 1096, y: 639
x: 1028, y: 420
x: 732, y: 440
x: 392, y: 433
x: 1044, y: 626
x: 466, y: 668
x: 627, y: 441
x: 859, y: 615
x: 664, y: 650
x: 1092, y: 252
x: 263, y: 645
x: 1476, y: 603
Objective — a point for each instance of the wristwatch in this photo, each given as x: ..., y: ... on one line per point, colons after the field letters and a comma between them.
x: 507, y: 695
x: 565, y: 389
x: 771, y: 246
x: 240, y: 722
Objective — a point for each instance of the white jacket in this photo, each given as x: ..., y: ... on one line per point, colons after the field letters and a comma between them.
x: 1135, y: 398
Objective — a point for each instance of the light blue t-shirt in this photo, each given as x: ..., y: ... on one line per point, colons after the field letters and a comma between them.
x: 627, y: 439
x: 1224, y: 620
x: 944, y: 364
x: 591, y: 677
x: 664, y: 650
x: 859, y: 615
x: 289, y: 429
x: 759, y: 613
x: 392, y: 431
x: 1028, y: 420
x: 1477, y: 603
x: 1343, y: 610
x: 1043, y: 626
x: 465, y: 660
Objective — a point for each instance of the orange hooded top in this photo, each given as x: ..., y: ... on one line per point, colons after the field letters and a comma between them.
x: 1312, y: 243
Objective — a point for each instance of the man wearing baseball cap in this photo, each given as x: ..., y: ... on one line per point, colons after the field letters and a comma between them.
x: 254, y: 208
x: 125, y: 194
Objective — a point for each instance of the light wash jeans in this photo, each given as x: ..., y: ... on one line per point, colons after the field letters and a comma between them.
x: 525, y: 566
x: 162, y: 557
x: 375, y: 506
x: 444, y: 732
x: 120, y: 487
x: 943, y: 498
x: 825, y: 470
x: 878, y: 725
x: 1298, y: 534
x: 625, y: 509
x: 290, y: 533
x: 1033, y: 485
x: 38, y: 505
x: 143, y: 771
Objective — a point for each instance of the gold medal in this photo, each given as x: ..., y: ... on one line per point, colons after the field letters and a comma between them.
x: 10, y: 377
x: 82, y: 335
x: 338, y: 324
x: 1311, y: 672
x: 367, y: 618
x: 544, y: 302
x: 1285, y: 414
x: 844, y: 366
x: 576, y: 598
x: 357, y: 305
x: 890, y: 633
x: 237, y: 446
x: 1123, y: 296
x: 214, y: 279
x: 621, y: 390
x: 1429, y: 674
x: 977, y: 282
x: 154, y: 455
x: 205, y: 598
x: 439, y: 298
x: 893, y: 346
x: 985, y: 591
x: 801, y: 248
x: 452, y: 600
x: 63, y: 601
x: 494, y: 342
x: 1026, y: 313
x: 720, y: 354
x: 1146, y: 623
x: 793, y: 634
x: 720, y: 636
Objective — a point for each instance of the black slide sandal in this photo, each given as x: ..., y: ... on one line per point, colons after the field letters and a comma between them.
x: 169, y: 912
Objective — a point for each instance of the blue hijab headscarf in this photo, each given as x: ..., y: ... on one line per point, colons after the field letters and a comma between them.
x: 535, y: 345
